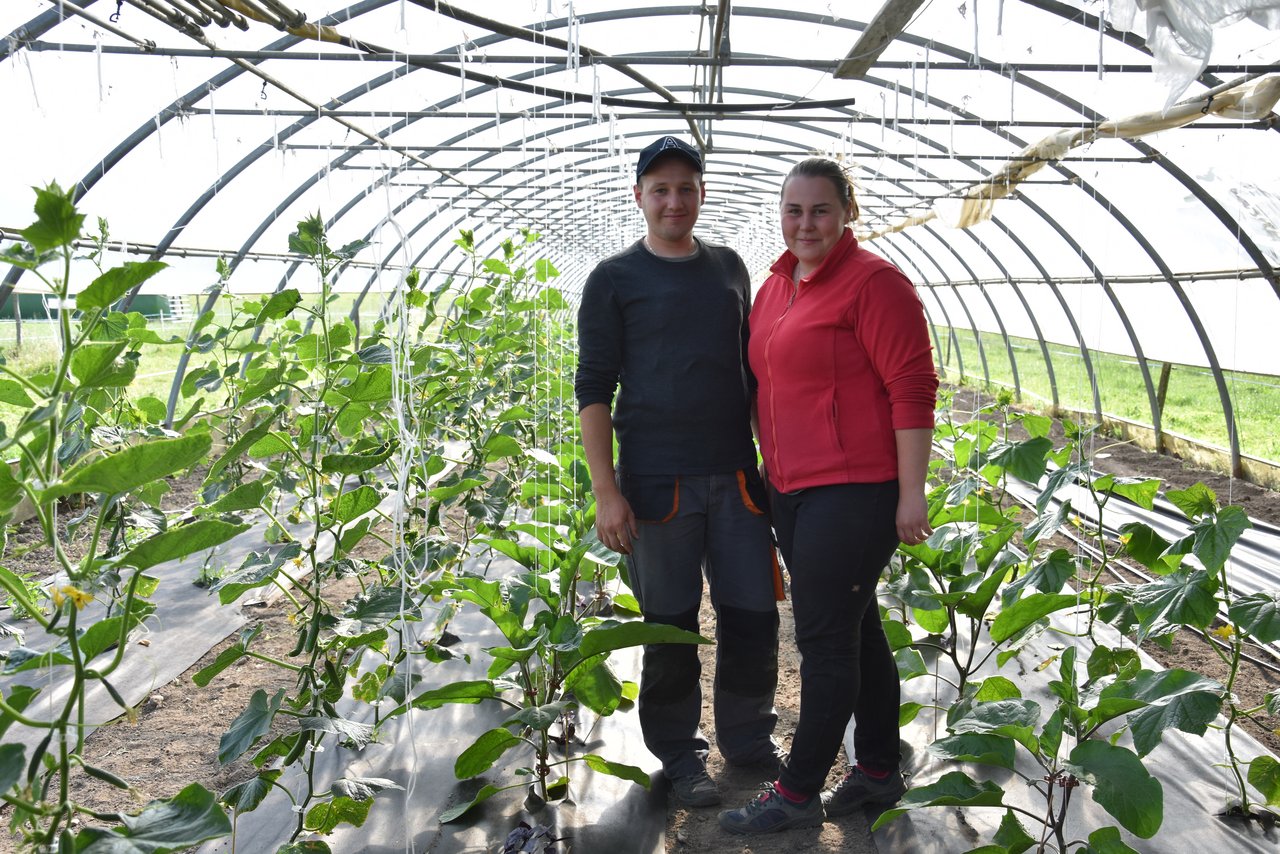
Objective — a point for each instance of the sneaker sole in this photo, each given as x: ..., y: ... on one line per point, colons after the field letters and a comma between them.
x: 709, y: 801
x: 835, y: 810
x: 788, y: 824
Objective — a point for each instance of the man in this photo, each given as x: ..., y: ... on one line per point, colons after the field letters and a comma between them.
x: 666, y: 319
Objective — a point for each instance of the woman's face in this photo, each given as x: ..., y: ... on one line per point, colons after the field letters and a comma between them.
x: 813, y: 218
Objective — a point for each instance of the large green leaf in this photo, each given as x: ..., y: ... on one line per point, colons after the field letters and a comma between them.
x: 354, y: 503
x: 57, y: 222
x: 1059, y: 478
x: 456, y: 692
x: 1025, y: 612
x: 258, y: 569
x: 1016, y: 719
x: 326, y: 816
x: 458, y: 810
x: 246, y: 796
x: 95, y: 365
x: 279, y: 305
x: 1258, y: 615
x: 1012, y: 837
x: 357, y: 733
x: 1195, y: 501
x: 14, y: 394
x: 1106, y: 840
x: 1217, y: 534
x: 1143, y: 544
x: 373, y: 610
x: 188, y: 818
x: 1025, y: 459
x: 1264, y: 775
x: 20, y: 696
x: 1186, y: 598
x: 228, y: 656
x: 1174, y: 698
x: 177, y: 543
x: 1141, y: 491
x: 1047, y: 576
x: 1121, y: 785
x: 596, y: 686
x: 611, y: 635
x: 253, y: 723
x: 1047, y: 524
x: 500, y: 445
x: 483, y: 752
x: 12, y: 764
x: 246, y: 496
x: 238, y: 448
x: 356, y: 463
x: 370, y: 386
x: 135, y: 466
x: 115, y: 283
x: 307, y: 846
x: 983, y: 748
x: 953, y: 789
x: 616, y: 769
x: 362, y: 788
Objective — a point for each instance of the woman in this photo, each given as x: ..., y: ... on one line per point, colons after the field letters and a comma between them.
x: 847, y: 390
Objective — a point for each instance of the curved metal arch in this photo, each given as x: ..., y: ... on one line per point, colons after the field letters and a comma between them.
x: 995, y: 312
x: 1024, y: 81
x: 964, y: 306
x: 172, y: 111
x: 1066, y: 309
x: 36, y: 27
x: 1224, y: 217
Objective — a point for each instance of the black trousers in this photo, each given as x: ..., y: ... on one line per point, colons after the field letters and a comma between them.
x: 836, y: 541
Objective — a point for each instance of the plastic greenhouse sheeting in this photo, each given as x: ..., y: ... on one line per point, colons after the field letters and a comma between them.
x: 1196, y: 788
x: 417, y: 751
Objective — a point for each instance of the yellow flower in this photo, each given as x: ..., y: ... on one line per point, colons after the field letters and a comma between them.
x: 1224, y: 632
x: 75, y: 594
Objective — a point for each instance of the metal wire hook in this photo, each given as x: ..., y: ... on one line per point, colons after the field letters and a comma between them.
x: 115, y: 16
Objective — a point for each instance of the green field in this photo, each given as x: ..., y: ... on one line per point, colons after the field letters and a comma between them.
x: 1192, y: 407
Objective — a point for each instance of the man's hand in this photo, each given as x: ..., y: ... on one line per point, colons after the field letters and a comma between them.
x: 615, y: 523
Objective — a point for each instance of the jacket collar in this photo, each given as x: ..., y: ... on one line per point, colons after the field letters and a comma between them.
x: 845, y: 246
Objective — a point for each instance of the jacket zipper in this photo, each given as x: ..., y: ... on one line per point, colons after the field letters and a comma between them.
x: 768, y: 344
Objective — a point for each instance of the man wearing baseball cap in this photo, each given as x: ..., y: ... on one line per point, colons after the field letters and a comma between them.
x: 664, y: 323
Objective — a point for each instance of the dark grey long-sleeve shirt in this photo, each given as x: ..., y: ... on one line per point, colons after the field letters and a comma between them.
x: 672, y: 333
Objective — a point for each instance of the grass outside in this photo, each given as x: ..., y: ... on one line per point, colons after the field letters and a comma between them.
x: 158, y: 364
x: 1192, y: 405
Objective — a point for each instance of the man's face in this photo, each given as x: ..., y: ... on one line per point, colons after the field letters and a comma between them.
x: 671, y: 194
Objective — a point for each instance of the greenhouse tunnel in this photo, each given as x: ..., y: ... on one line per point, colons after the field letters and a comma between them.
x: 1083, y: 193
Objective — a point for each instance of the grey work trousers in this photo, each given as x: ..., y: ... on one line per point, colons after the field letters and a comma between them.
x: 715, y: 526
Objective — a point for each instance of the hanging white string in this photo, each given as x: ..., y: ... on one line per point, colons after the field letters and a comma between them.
x: 897, y: 93
x: 595, y: 92
x: 1013, y: 88
x: 976, y: 51
x: 1101, y: 42
x: 462, y: 73
x: 883, y: 111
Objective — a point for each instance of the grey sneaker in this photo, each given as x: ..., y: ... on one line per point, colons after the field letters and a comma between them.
x: 858, y: 789
x: 771, y: 812
x: 695, y: 790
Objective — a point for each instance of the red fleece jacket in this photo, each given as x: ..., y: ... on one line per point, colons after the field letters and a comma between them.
x: 843, y: 360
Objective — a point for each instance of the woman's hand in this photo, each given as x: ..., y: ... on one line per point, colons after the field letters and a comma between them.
x: 615, y: 523
x: 913, y: 518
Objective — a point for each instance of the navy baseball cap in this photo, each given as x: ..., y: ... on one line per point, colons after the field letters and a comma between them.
x: 661, y: 146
